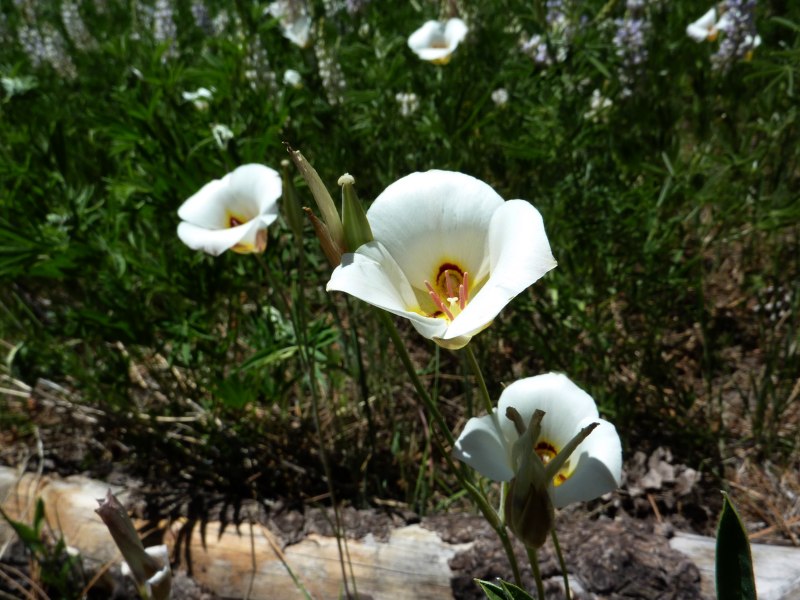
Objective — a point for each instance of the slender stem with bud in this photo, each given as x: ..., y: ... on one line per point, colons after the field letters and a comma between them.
x: 562, y: 563
x: 533, y: 557
x: 477, y: 496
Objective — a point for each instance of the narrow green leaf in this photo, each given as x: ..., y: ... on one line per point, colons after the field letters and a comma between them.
x: 515, y: 593
x: 504, y: 591
x: 492, y: 591
x: 38, y: 517
x: 735, y: 579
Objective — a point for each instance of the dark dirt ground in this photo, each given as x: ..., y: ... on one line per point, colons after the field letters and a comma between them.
x: 616, y: 546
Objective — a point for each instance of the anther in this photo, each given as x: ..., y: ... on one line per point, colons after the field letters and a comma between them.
x: 438, y: 301
x: 463, y: 291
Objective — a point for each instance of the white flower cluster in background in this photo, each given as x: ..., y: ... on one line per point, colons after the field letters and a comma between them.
x: 409, y: 103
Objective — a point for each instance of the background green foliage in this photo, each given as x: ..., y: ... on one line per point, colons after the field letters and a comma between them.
x: 673, y: 215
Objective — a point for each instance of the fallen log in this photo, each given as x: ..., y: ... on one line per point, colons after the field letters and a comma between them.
x: 412, y: 563
x: 434, y: 558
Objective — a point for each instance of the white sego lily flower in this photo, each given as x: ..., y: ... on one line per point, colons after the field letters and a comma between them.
x: 595, y: 464
x: 436, y: 41
x: 707, y: 27
x: 448, y: 253
x: 199, y: 98
x: 232, y: 213
x: 294, y: 20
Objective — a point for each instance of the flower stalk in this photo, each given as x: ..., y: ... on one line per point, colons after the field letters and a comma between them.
x: 148, y: 567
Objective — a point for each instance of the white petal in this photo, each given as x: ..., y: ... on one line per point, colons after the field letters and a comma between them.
x: 564, y: 403
x: 599, y: 467
x: 434, y: 54
x: 520, y: 255
x: 700, y: 29
x: 455, y: 31
x: 217, y: 241
x: 206, y: 207
x: 258, y: 182
x: 480, y: 446
x: 248, y: 191
x: 697, y: 33
x: 428, y: 218
x: 425, y: 35
x: 372, y: 275
x: 725, y: 23
x: 298, y: 31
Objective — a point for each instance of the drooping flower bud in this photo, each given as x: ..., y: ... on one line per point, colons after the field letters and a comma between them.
x: 528, y: 508
x: 354, y: 219
x: 331, y: 249
x: 322, y: 197
x: 291, y: 205
x: 149, y: 568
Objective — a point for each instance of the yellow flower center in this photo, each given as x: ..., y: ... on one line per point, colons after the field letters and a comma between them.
x: 450, y: 290
x: 547, y: 452
x: 235, y: 220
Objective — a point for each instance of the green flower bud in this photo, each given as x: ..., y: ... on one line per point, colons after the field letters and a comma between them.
x: 322, y: 197
x: 529, y: 513
x: 356, y: 227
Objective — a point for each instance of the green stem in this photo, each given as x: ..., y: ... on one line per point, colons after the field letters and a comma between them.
x: 483, y: 505
x: 476, y: 370
x: 400, y: 347
x: 561, y: 562
x: 537, y: 574
x: 298, y: 317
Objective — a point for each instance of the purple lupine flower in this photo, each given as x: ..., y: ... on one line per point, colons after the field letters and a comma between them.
x: 536, y: 48
x: 630, y: 40
x: 545, y: 50
x: 76, y: 26
x: 739, y: 38
x: 202, y: 16
x: 330, y: 73
x: 257, y: 69
x: 164, y: 28
x: 47, y: 46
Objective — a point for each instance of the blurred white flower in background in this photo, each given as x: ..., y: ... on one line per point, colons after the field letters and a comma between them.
x: 409, y: 103
x: 199, y: 97
x: 232, y: 213
x: 222, y: 135
x: 436, y: 41
x: 598, y: 107
x: 292, y: 78
x: 500, y: 97
x: 294, y: 20
x: 705, y: 28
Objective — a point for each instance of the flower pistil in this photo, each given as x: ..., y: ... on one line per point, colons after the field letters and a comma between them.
x: 451, y: 293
